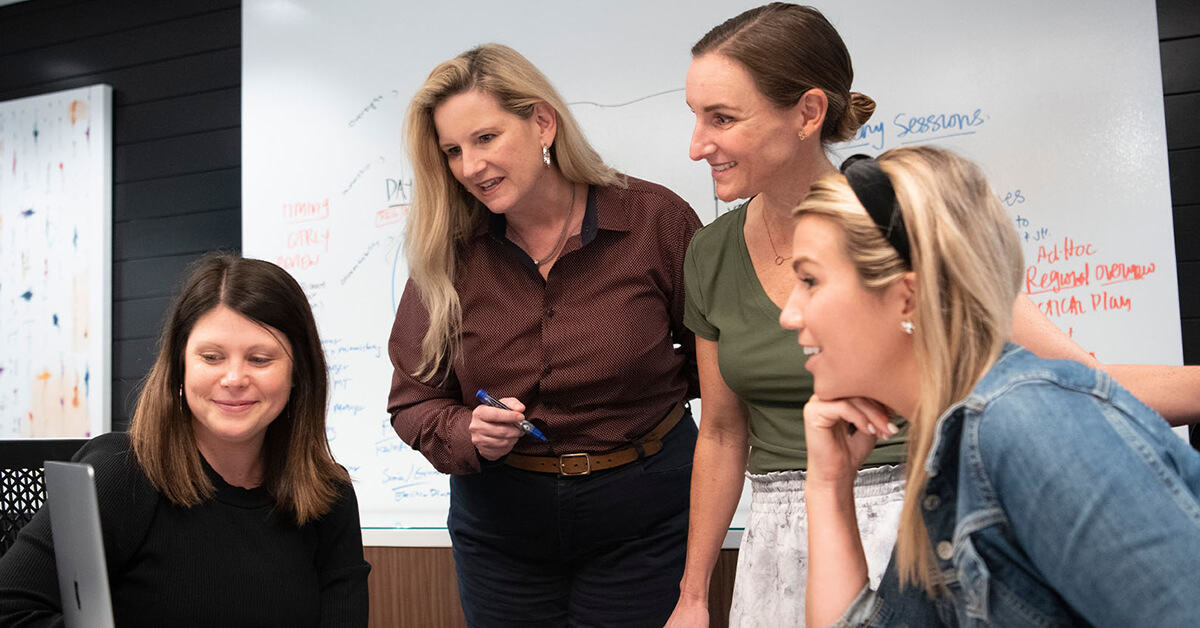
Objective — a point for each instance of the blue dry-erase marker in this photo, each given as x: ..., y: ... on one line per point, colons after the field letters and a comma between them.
x: 489, y: 400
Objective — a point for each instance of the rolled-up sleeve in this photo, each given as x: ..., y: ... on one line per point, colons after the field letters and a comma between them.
x: 893, y: 606
x: 864, y: 606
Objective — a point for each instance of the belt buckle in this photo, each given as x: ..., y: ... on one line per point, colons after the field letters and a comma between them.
x: 562, y: 470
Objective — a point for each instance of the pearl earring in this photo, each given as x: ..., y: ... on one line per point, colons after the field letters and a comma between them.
x: 546, y: 155
x: 907, y: 326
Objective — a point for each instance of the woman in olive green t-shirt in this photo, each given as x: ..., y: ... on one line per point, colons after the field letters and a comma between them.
x: 771, y: 92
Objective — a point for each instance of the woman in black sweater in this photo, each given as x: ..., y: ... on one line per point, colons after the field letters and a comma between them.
x: 223, y: 505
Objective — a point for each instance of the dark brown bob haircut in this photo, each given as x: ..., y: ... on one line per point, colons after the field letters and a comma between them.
x: 300, y: 473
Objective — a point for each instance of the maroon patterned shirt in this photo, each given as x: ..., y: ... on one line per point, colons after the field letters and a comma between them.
x: 591, y: 350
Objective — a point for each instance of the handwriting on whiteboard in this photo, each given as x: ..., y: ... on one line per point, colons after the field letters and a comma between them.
x: 915, y: 129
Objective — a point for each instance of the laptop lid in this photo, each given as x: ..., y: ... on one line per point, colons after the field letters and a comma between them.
x: 78, y: 545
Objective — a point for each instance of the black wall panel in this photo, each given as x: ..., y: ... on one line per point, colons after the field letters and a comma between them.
x: 1187, y: 233
x: 175, y: 68
x: 1189, y: 290
x: 1185, y: 176
x: 151, y: 277
x: 123, y: 48
x: 193, y: 113
x: 38, y: 25
x: 184, y: 194
x: 1181, y: 64
x: 1178, y: 18
x: 190, y: 233
x: 1183, y: 125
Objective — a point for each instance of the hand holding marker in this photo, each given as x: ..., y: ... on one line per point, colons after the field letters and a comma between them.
x: 525, y: 426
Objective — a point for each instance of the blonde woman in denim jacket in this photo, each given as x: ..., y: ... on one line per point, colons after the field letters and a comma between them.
x: 1040, y: 492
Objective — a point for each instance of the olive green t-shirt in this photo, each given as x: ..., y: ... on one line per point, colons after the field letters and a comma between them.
x: 759, y: 360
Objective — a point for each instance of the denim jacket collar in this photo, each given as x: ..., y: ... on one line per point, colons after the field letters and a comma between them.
x: 948, y: 425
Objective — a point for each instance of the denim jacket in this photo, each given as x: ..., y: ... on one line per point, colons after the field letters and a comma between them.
x: 1055, y: 498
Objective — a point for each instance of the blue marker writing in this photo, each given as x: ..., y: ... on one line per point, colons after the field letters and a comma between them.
x: 489, y: 400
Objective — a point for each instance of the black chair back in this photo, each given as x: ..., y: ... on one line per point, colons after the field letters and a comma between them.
x: 22, y: 483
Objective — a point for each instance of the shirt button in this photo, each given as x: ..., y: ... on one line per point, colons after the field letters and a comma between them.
x: 547, y: 370
x: 931, y: 502
x: 945, y: 550
x: 550, y: 313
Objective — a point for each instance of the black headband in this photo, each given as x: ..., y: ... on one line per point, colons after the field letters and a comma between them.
x: 874, y: 190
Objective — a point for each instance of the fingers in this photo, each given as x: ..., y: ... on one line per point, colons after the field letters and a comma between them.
x: 495, y: 420
x: 494, y: 431
x: 866, y: 415
x: 872, y: 416
x: 513, y: 404
x: 493, y: 440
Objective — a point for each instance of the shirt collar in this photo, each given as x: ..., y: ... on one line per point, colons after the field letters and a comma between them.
x: 604, y: 210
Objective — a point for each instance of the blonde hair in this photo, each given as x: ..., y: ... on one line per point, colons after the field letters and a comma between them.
x: 789, y: 49
x: 443, y: 213
x: 968, y: 265
x: 300, y: 473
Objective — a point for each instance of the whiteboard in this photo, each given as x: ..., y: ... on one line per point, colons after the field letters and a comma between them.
x: 56, y: 264
x: 1061, y: 103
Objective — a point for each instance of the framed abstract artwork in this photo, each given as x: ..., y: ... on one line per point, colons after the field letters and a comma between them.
x: 56, y: 264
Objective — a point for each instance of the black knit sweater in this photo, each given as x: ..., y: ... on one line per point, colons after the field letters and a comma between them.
x: 231, y: 561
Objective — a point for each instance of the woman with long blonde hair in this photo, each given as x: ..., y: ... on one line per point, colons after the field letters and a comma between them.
x: 540, y: 354
x: 1039, y: 492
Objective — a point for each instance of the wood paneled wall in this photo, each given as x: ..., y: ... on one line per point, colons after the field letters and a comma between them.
x: 415, y: 587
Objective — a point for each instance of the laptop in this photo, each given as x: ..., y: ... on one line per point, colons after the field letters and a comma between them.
x: 78, y: 545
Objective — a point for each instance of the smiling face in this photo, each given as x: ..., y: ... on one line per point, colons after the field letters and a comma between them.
x: 749, y: 142
x: 237, y: 378
x: 494, y: 154
x: 852, y: 336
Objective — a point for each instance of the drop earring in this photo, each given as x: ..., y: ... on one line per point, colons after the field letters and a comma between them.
x: 546, y: 155
x: 908, y: 327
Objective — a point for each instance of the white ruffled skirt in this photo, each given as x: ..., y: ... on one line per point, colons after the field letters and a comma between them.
x: 773, y: 558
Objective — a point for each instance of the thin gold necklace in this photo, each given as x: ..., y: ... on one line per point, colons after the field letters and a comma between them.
x: 779, y: 259
x: 562, y: 236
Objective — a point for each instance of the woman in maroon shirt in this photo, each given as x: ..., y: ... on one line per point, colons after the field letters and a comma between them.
x: 544, y: 277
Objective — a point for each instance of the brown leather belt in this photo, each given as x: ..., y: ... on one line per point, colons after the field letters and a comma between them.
x: 585, y: 463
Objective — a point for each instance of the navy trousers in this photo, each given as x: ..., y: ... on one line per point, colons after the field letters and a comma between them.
x: 606, y: 549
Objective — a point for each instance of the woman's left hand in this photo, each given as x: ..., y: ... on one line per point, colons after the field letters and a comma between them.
x: 835, y: 451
